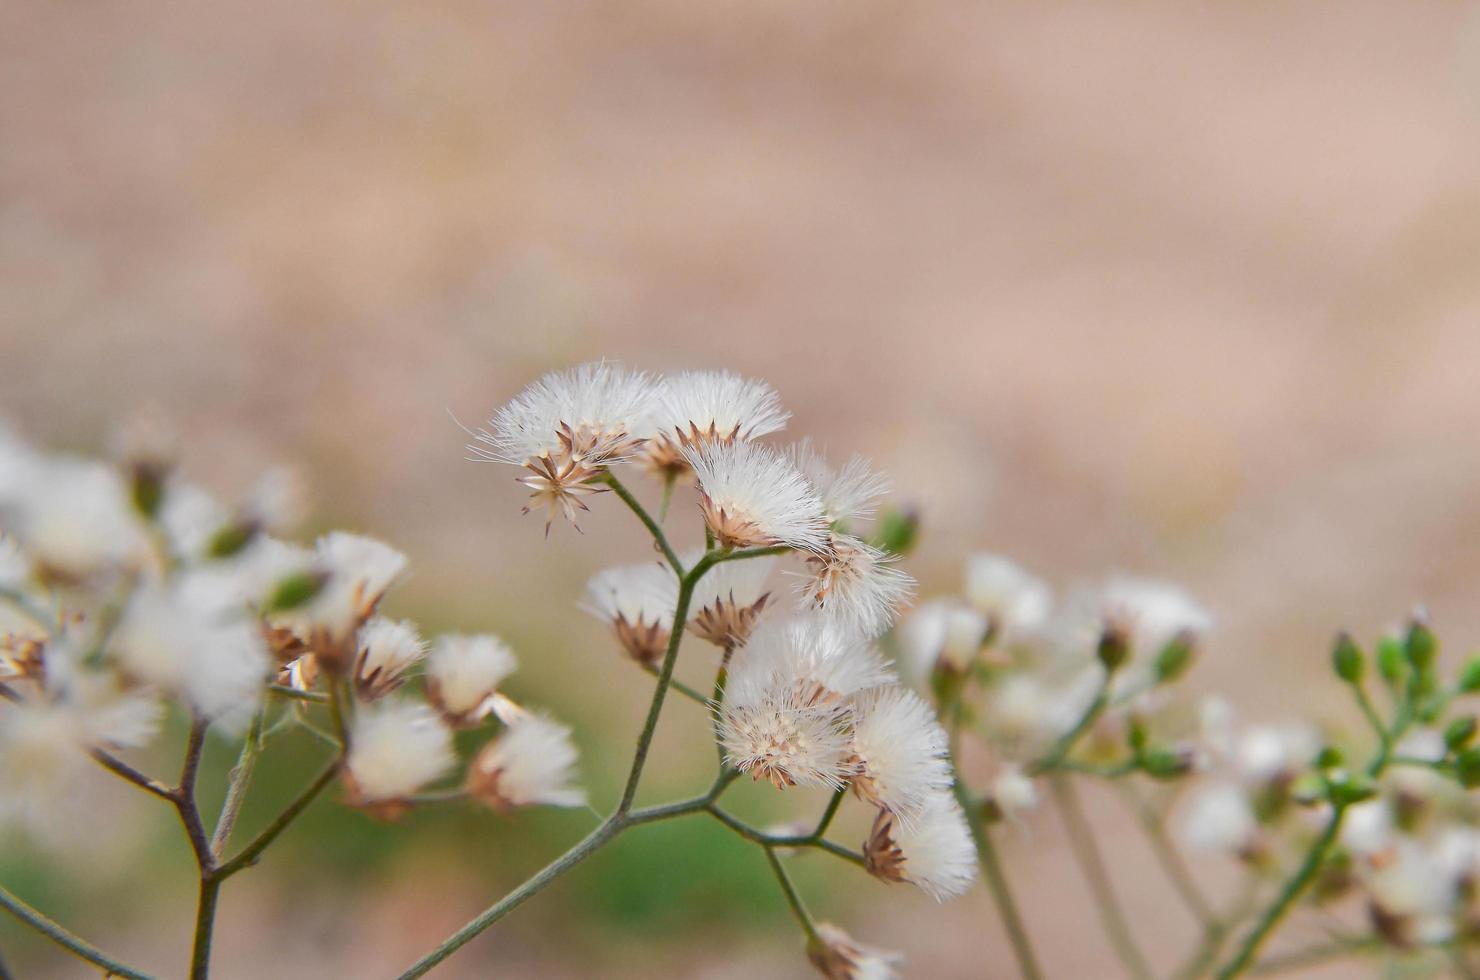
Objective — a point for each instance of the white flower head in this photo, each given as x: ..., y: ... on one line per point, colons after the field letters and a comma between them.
x: 639, y: 603
x: 189, y: 638
x: 357, y: 571
x: 934, y: 852
x: 463, y: 674
x: 900, y: 751
x: 697, y: 408
x: 729, y: 600
x: 837, y: 956
x: 941, y: 631
x: 191, y: 517
x: 780, y: 735
x: 531, y: 763
x: 388, y: 649
x: 820, y: 659
x: 848, y: 494
x: 857, y: 584
x: 752, y: 496
x: 1412, y: 898
x: 74, y: 517
x: 566, y: 428
x: 1152, y: 614
x: 1271, y: 753
x: 395, y: 748
x: 1016, y: 603
x: 1014, y: 792
x: 1368, y: 828
x: 1220, y: 818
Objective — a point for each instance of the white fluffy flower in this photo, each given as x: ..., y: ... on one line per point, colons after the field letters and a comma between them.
x: 1219, y: 818
x: 533, y: 762
x: 191, y: 518
x: 358, y: 571
x: 781, y: 735
x: 1014, y: 792
x: 388, y: 649
x: 396, y: 748
x: 463, y: 672
x: 814, y: 656
x: 941, y: 630
x: 638, y: 602
x: 753, y: 496
x: 848, y: 494
x: 1413, y: 894
x: 934, y: 852
x: 1016, y: 603
x: 856, y: 583
x: 700, y: 407
x: 1269, y: 753
x: 1151, y: 614
x: 1368, y: 828
x: 727, y: 602
x: 190, y: 639
x: 74, y: 516
x: 566, y: 428
x: 900, y: 750
x: 837, y: 956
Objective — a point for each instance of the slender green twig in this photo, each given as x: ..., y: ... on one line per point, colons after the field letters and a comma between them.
x: 758, y: 836
x: 659, y: 538
x: 66, y: 939
x: 258, y: 844
x: 1060, y: 750
x: 1169, y: 857
x: 236, y: 787
x: 293, y: 694
x: 118, y: 767
x: 793, y: 898
x: 1092, y: 863
x: 680, y: 687
x: 668, y: 480
x: 826, y: 819
x: 1312, y: 956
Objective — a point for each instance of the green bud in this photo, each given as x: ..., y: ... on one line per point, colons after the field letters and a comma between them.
x: 898, y: 531
x: 1420, y: 645
x: 1460, y: 733
x: 1114, y: 648
x: 294, y: 591
x: 1174, y: 658
x: 1135, y: 734
x: 1351, y: 789
x: 1467, y: 768
x: 1347, y: 659
x: 1392, y: 662
x: 1329, y: 758
x: 1162, y: 763
x: 147, y: 486
x: 231, y: 539
x: 1469, y: 676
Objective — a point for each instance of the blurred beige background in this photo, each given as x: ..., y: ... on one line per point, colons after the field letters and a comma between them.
x: 1190, y: 290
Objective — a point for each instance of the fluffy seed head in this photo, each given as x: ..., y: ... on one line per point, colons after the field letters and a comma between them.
x: 533, y: 762
x: 848, y: 494
x: 782, y: 736
x: 729, y: 600
x: 900, y: 750
x: 639, y: 602
x: 935, y: 852
x: 752, y: 496
x: 388, y: 649
x: 698, y: 408
x: 463, y: 672
x: 809, y: 654
x: 857, y: 584
x: 837, y: 956
x: 396, y: 748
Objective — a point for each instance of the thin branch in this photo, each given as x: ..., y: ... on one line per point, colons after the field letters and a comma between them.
x: 679, y: 686
x: 632, y: 503
x: 259, y: 843
x: 293, y: 694
x: 236, y: 790
x: 793, y: 899
x: 118, y: 767
x: 66, y: 939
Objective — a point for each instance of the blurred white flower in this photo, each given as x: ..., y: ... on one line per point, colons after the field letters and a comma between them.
x: 531, y: 763
x: 1219, y: 818
x: 388, y: 649
x: 943, y: 630
x: 462, y: 674
x: 837, y: 956
x: 395, y: 749
x: 1016, y: 603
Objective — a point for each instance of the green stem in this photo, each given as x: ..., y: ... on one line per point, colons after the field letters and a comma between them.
x: 205, y: 922
x: 67, y: 940
x: 1170, y: 858
x: 1061, y: 749
x: 668, y: 480
x: 793, y: 899
x: 118, y: 767
x: 300, y: 803
x: 293, y: 694
x: 1092, y: 863
x: 236, y: 790
x: 661, y: 540
x: 680, y: 687
x: 758, y: 836
x: 826, y: 819
x: 996, y: 878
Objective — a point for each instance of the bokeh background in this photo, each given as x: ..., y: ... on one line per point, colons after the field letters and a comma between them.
x: 1187, y: 290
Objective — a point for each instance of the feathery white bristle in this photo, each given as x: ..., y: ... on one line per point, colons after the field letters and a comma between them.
x: 901, y: 750
x: 466, y: 671
x: 396, y: 748
x: 784, y: 736
x: 719, y: 401
x: 939, y: 855
x: 810, y: 654
x: 759, y: 494
x: 639, y: 594
x: 849, y: 494
x: 600, y: 397
x: 388, y: 649
x: 533, y: 762
x: 857, y: 584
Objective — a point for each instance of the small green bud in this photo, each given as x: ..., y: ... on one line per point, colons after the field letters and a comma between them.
x: 1392, y: 663
x: 1469, y: 676
x: 1174, y: 658
x: 1329, y: 758
x: 1135, y: 734
x: 294, y: 591
x: 1420, y: 645
x: 1114, y: 648
x: 898, y: 531
x: 1347, y: 659
x: 147, y: 488
x: 1467, y: 768
x: 231, y: 539
x: 1345, y: 791
x: 1162, y: 763
x: 1460, y: 733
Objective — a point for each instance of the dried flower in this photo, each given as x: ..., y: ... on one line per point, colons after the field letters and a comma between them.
x: 639, y: 602
x: 837, y: 956
x: 781, y: 735
x: 698, y: 408
x: 463, y: 673
x: 819, y: 659
x: 388, y: 649
x: 752, y: 496
x: 532, y: 763
x: 848, y: 494
x: 729, y: 600
x: 395, y: 748
x: 900, y: 750
x: 934, y: 852
x: 856, y: 583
